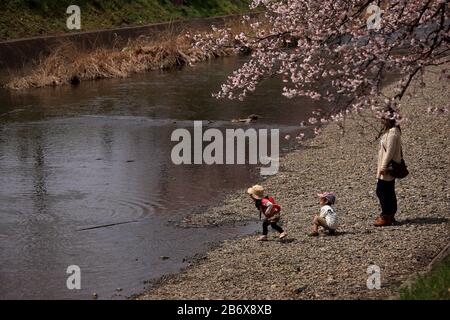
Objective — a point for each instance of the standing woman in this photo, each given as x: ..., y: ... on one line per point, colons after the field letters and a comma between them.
x: 390, y: 149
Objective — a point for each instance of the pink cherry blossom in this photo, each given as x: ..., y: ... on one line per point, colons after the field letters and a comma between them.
x: 311, y: 44
x: 300, y: 137
x: 312, y: 120
x: 317, y: 131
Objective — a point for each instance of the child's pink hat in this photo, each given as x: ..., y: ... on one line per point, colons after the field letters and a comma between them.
x: 329, y: 196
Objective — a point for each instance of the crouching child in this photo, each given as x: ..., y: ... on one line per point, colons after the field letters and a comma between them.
x: 327, y: 218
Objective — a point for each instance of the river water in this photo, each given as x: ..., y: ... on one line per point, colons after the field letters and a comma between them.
x: 86, y: 178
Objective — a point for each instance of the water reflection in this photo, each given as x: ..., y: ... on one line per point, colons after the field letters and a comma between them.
x: 99, y: 154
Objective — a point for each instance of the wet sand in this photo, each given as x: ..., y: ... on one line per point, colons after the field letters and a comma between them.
x: 327, y: 267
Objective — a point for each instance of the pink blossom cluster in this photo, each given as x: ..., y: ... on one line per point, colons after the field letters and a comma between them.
x: 325, y: 50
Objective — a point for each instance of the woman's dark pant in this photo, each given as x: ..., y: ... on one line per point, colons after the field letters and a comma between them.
x: 273, y: 225
x: 387, y: 197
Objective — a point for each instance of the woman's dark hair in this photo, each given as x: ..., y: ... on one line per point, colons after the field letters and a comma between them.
x: 389, y: 121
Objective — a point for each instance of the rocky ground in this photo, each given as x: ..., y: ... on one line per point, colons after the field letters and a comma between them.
x: 327, y: 267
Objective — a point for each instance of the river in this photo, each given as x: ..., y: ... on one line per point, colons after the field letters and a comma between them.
x: 86, y: 178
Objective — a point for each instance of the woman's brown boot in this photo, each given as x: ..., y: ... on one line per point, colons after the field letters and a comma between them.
x: 382, y: 221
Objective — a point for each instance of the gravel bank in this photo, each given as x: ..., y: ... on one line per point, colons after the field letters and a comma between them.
x: 334, y: 267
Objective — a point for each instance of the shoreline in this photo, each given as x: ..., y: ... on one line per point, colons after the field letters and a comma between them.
x: 333, y: 267
x: 22, y: 53
x: 104, y: 54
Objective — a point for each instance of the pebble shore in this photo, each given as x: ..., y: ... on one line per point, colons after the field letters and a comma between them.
x: 335, y: 267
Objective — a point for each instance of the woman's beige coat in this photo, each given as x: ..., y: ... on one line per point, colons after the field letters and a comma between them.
x: 390, y: 149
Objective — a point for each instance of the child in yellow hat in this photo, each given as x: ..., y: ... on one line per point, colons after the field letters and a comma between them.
x: 266, y: 206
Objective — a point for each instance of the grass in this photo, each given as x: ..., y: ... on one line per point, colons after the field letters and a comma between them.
x: 432, y: 286
x: 25, y: 18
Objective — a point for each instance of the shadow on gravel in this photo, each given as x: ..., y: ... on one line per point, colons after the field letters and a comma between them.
x: 288, y: 240
x: 340, y: 233
x: 422, y: 221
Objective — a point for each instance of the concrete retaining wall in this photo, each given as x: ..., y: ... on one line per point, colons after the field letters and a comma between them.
x: 20, y: 53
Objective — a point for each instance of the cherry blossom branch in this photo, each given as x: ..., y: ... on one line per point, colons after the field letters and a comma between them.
x: 324, y: 50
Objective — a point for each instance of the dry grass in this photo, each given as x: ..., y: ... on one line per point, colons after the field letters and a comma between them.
x: 68, y: 64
